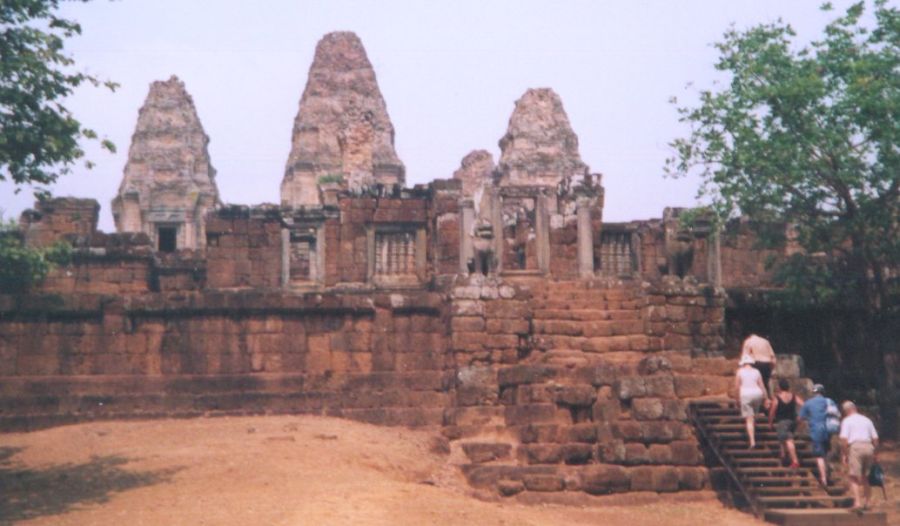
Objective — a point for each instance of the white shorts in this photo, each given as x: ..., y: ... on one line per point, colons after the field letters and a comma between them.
x: 750, y: 404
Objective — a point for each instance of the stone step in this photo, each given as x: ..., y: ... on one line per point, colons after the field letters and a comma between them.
x: 800, y: 501
x: 825, y: 517
x: 587, y: 329
x: 597, y: 314
x: 598, y: 344
x: 585, y: 304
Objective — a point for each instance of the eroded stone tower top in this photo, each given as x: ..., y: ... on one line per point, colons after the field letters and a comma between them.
x: 539, y: 147
x: 475, y: 171
x: 342, y: 130
x: 169, y: 182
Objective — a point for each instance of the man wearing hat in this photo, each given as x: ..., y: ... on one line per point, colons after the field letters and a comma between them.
x: 815, y: 411
x: 858, y: 443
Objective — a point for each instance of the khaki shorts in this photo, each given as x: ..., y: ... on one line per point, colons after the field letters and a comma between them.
x: 750, y: 405
x: 860, y: 459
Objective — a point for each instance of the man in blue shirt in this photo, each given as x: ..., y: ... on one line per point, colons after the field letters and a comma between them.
x: 814, y: 412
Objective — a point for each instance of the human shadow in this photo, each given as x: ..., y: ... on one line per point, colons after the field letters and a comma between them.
x: 28, y: 493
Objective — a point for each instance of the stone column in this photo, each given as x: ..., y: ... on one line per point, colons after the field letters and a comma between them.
x: 542, y: 234
x: 497, y: 225
x: 585, y: 240
x: 285, y: 257
x: 714, y: 258
x: 466, y: 226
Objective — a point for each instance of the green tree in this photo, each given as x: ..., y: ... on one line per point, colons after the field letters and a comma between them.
x: 807, y: 136
x: 21, y: 266
x: 38, y: 135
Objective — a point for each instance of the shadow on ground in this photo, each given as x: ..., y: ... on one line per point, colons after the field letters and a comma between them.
x: 29, y: 493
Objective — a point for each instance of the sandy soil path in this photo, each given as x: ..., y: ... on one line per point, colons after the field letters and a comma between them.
x: 282, y: 470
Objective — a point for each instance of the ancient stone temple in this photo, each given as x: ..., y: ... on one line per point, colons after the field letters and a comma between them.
x: 169, y: 183
x: 554, y: 350
x: 342, y: 133
x: 539, y: 147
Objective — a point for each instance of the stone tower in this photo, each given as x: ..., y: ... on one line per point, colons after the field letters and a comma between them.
x: 539, y: 147
x: 169, y: 183
x: 475, y: 171
x: 342, y: 132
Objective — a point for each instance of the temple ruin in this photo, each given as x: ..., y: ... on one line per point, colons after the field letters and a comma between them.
x: 342, y: 133
x: 556, y: 351
x: 169, y: 183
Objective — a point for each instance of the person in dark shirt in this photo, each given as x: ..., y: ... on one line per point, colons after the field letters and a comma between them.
x: 783, y: 414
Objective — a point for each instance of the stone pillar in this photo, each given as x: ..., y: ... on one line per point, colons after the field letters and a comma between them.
x: 320, y: 255
x: 497, y: 225
x: 285, y: 257
x: 542, y: 234
x: 466, y: 227
x: 714, y: 258
x: 585, y: 240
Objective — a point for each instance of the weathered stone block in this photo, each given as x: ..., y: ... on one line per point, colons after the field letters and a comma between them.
x: 665, y: 479
x: 530, y: 414
x: 576, y: 395
x: 630, y: 387
x: 586, y: 433
x: 641, y: 478
x: 685, y: 453
x: 605, y: 479
x: 476, y: 385
x: 532, y: 433
x: 480, y: 452
x: 577, y: 454
x: 647, y: 408
x: 525, y: 374
x: 692, y: 478
x: 541, y: 453
x: 606, y: 410
x: 544, y: 483
x: 636, y: 453
x: 654, y: 364
x: 660, y: 454
x: 508, y: 488
x: 507, y: 326
x: 467, y: 324
x: 611, y: 451
x: 660, y: 385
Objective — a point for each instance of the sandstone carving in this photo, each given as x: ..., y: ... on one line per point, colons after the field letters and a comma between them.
x: 169, y: 182
x: 475, y: 171
x: 342, y: 132
x: 539, y: 147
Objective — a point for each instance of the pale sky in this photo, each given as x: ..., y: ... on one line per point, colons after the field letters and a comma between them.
x: 449, y: 72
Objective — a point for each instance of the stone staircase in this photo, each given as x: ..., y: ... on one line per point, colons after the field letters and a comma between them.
x: 574, y: 322
x: 779, y: 494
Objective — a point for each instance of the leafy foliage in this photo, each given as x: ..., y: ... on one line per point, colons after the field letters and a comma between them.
x: 38, y: 134
x: 21, y: 266
x: 808, y: 138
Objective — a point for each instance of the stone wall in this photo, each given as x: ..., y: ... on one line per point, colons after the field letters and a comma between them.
x: 61, y: 218
x: 574, y: 386
x: 244, y: 248
x: 379, y: 358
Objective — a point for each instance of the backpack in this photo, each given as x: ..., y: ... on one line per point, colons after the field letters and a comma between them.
x: 832, y: 417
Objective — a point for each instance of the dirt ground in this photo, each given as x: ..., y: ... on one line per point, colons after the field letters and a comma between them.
x: 284, y: 470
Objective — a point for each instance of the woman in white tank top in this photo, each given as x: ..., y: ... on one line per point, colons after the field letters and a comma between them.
x: 751, y: 393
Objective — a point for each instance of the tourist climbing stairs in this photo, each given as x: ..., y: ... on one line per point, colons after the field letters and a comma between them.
x: 760, y: 478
